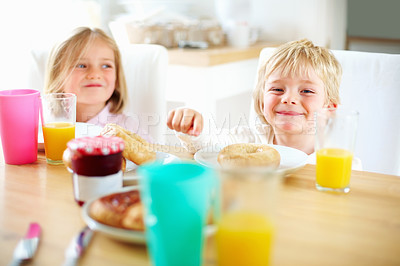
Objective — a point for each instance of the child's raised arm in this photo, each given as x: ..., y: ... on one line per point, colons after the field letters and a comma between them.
x: 185, y: 120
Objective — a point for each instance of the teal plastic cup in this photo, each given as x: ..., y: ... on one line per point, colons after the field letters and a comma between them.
x: 177, y: 199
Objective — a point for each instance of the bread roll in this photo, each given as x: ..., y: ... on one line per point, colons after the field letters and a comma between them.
x: 249, y: 154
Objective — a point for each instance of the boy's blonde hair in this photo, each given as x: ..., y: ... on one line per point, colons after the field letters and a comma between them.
x: 294, y: 59
x: 65, y: 56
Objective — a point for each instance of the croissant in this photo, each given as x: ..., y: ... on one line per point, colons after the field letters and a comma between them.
x: 136, y: 149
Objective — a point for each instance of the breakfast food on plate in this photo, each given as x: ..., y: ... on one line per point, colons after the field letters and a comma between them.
x: 67, y: 158
x: 122, y: 210
x: 249, y: 154
x: 136, y: 148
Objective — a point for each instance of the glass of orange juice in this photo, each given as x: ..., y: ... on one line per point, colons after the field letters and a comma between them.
x: 246, y: 228
x: 58, y: 123
x: 335, y: 141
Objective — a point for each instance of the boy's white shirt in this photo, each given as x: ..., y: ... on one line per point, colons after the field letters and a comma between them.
x: 260, y: 134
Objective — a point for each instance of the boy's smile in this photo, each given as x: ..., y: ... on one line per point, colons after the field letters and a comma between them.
x: 289, y: 113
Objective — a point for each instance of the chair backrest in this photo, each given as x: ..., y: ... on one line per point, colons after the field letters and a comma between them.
x: 145, y: 67
x: 119, y: 32
x: 371, y: 85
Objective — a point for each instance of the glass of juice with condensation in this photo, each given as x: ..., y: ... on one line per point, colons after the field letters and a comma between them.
x: 336, y: 131
x: 246, y: 227
x: 58, y: 124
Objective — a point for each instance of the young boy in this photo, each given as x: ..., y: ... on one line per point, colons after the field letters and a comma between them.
x: 295, y: 82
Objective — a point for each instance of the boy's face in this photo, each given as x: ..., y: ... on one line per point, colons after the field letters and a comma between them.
x: 290, y: 102
x: 93, y: 79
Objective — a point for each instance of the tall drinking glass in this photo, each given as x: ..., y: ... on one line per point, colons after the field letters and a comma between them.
x: 246, y: 228
x: 177, y: 199
x: 335, y: 140
x: 58, y: 124
x: 19, y: 122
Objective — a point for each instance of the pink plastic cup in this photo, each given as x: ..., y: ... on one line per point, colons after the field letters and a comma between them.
x: 19, y: 122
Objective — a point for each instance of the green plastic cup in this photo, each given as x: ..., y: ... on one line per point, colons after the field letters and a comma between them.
x: 177, y: 199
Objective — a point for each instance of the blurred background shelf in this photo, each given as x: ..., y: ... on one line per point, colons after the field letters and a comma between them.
x: 217, y: 55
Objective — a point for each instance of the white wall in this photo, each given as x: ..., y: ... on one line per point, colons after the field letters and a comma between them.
x: 26, y: 24
x: 322, y: 21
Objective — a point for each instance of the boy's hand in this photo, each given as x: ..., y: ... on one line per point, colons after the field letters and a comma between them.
x: 185, y: 120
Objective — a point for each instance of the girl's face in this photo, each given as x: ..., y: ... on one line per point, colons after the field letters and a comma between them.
x: 290, y: 102
x: 93, y: 78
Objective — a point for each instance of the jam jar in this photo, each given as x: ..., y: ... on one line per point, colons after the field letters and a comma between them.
x: 96, y: 166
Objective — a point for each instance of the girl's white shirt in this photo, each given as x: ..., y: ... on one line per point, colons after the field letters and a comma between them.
x: 129, y: 122
x: 260, y: 134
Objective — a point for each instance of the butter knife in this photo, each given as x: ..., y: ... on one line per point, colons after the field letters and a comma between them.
x: 27, y: 246
x: 77, y: 246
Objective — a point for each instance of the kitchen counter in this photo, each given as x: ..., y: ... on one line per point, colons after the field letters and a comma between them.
x: 215, y: 55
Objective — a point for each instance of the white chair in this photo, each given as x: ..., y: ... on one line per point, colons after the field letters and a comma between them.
x: 119, y: 32
x: 371, y: 85
x: 145, y: 67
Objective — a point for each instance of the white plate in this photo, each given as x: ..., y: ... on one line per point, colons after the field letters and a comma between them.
x: 125, y: 235
x: 291, y: 159
x: 81, y: 130
x: 130, y: 176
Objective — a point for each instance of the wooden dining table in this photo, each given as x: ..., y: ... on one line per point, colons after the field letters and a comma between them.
x: 361, y: 227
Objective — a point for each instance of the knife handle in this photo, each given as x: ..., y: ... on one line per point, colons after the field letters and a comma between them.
x: 70, y: 262
x: 15, y: 262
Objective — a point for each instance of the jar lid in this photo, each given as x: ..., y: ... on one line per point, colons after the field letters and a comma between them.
x: 98, y: 145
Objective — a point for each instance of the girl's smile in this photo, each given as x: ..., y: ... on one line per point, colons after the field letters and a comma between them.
x: 93, y: 85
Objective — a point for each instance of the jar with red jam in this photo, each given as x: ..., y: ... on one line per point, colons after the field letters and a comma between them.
x: 96, y: 165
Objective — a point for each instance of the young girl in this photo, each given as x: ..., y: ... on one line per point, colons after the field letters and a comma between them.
x: 295, y: 82
x: 88, y: 64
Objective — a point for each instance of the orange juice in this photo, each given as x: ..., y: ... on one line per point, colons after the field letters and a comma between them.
x: 56, y: 135
x: 333, y: 167
x: 244, y: 238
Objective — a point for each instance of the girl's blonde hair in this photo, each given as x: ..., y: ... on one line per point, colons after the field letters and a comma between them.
x: 294, y: 59
x: 65, y: 56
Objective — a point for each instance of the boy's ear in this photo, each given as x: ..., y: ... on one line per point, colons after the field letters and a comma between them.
x: 331, y: 105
